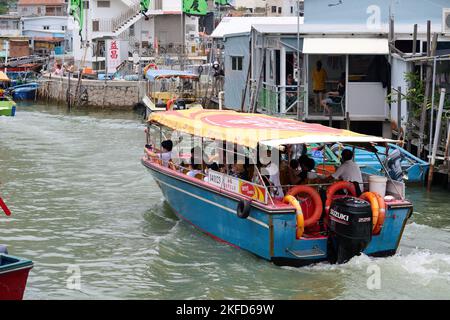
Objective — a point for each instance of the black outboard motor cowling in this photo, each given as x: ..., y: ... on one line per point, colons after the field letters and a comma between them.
x: 350, y: 228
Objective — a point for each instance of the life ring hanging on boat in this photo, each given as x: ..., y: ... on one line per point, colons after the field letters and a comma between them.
x: 170, y: 103
x: 378, y: 207
x: 315, y: 197
x: 151, y: 66
x: 335, y: 187
x: 300, y: 222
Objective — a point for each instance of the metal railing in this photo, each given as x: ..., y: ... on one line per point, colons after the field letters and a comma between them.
x: 275, y: 99
x: 114, y: 24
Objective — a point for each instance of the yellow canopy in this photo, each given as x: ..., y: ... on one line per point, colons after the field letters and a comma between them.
x: 249, y: 129
x: 3, y: 76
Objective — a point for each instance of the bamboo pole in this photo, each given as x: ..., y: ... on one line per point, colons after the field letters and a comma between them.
x: 436, y: 138
x: 423, y: 116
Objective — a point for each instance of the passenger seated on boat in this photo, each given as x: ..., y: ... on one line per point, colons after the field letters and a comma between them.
x: 195, y: 166
x: 294, y: 172
x: 349, y: 170
x: 307, y: 164
x: 165, y: 155
x: 272, y: 172
x: 240, y: 171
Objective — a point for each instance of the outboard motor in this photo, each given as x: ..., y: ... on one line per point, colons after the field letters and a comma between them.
x: 350, y: 228
x: 394, y: 165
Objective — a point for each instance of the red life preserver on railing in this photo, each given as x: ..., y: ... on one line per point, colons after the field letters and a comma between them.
x: 335, y: 187
x: 317, y: 202
x: 378, y: 207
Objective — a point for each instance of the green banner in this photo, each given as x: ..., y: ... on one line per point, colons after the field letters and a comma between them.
x: 76, y: 10
x: 145, y: 5
x: 195, y: 7
x: 221, y: 2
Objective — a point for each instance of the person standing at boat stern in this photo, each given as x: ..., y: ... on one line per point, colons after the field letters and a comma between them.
x: 165, y: 154
x: 349, y: 170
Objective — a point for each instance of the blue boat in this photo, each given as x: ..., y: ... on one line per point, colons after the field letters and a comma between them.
x: 296, y: 229
x: 25, y: 91
x: 400, y: 164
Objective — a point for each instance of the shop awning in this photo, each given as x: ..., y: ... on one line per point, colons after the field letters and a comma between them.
x: 345, y: 46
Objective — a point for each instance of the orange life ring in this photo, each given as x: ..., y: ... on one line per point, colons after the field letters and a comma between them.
x: 335, y: 187
x: 300, y: 222
x: 170, y: 104
x: 378, y: 210
x: 315, y: 197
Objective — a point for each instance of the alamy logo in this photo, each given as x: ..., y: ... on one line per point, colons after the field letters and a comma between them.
x: 374, y: 19
x: 73, y: 282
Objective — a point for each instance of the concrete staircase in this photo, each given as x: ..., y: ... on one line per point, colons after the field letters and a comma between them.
x: 116, y: 26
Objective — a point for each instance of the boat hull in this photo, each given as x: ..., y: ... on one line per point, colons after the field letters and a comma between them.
x: 13, y: 276
x: 8, y: 110
x: 268, y: 233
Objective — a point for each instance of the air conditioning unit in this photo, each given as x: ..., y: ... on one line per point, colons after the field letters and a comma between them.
x: 446, y: 21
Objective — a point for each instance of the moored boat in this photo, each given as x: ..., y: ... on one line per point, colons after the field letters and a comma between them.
x: 322, y: 220
x: 7, y: 106
x: 170, y: 89
x: 25, y: 91
x: 13, y: 270
x: 13, y: 276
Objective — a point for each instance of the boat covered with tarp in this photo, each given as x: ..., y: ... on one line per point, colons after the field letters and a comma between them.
x: 231, y: 175
x: 170, y: 89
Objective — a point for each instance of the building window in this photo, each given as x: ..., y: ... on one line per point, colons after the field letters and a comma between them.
x: 63, y: 28
x: 95, y: 25
x: 292, y: 9
x: 236, y: 63
x: 103, y: 4
x: 279, y: 10
x: 274, y: 9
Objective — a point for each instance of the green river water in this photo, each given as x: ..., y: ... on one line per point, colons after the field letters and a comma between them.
x: 81, y: 199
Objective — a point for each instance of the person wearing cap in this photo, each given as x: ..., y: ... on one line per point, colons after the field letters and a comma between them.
x: 166, y: 152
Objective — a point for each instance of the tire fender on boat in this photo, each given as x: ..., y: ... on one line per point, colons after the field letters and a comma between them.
x: 315, y: 197
x: 378, y: 207
x: 335, y: 187
x: 243, y: 208
x: 300, y: 222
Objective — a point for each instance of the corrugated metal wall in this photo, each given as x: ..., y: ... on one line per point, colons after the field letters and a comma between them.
x: 235, y: 80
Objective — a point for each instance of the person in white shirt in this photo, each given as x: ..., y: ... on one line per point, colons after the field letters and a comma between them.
x: 166, y: 152
x: 349, y: 170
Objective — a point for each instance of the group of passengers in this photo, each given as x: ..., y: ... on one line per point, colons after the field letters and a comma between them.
x: 295, y: 167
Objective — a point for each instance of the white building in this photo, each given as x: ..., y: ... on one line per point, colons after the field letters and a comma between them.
x: 10, y: 25
x: 121, y: 20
